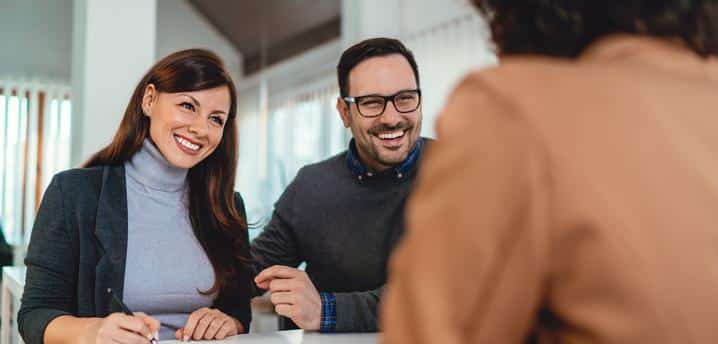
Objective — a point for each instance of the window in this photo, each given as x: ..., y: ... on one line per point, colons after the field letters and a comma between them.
x: 35, y: 124
x: 301, y: 130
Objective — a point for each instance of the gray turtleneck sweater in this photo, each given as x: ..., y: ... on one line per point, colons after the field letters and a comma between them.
x: 166, y: 265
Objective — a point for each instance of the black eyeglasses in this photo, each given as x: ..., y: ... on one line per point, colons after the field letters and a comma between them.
x: 374, y: 105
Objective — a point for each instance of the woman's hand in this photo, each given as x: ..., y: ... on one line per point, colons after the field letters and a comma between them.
x: 208, y: 323
x: 121, y: 328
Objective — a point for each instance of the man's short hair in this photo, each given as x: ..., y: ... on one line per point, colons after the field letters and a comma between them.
x: 366, y: 49
x: 566, y: 27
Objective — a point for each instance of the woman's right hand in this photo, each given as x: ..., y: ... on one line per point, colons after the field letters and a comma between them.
x: 125, y: 329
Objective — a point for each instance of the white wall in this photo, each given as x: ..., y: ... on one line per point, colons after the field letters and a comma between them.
x: 418, y: 15
x: 36, y: 38
x: 114, y: 44
x: 180, y: 26
x: 363, y: 19
x: 449, y: 38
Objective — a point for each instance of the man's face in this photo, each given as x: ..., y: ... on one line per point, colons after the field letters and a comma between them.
x: 386, y: 140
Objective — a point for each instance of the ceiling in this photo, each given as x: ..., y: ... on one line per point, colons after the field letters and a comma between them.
x: 285, y: 27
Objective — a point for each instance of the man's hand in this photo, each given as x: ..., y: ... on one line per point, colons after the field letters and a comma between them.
x: 293, y: 295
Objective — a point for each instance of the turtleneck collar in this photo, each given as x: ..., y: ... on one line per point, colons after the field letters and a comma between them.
x: 150, y: 168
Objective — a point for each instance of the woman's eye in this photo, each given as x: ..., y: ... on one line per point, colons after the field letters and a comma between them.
x: 218, y: 120
x: 187, y: 106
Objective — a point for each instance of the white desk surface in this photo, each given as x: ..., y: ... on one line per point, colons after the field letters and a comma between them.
x: 14, y: 278
x: 295, y: 337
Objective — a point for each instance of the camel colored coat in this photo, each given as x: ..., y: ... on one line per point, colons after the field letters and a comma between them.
x: 567, y: 201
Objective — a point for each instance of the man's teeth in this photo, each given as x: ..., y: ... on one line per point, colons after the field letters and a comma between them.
x: 391, y: 135
x: 186, y: 143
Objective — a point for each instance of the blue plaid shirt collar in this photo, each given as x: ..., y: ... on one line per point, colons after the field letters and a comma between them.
x: 361, y: 172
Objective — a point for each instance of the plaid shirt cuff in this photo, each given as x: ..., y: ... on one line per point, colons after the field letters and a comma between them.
x: 329, y: 312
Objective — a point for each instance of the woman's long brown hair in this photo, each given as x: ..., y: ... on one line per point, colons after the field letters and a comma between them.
x: 216, y: 221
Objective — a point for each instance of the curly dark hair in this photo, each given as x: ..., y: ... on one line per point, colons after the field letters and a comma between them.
x: 567, y: 27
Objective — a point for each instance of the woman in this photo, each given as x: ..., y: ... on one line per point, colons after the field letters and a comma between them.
x: 152, y: 216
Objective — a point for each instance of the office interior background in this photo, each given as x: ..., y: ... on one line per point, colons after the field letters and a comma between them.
x: 68, y: 67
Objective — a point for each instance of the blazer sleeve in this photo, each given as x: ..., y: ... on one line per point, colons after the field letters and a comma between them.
x: 238, y: 303
x: 52, y: 267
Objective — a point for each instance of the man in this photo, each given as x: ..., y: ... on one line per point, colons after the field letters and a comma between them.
x: 571, y: 197
x: 343, y: 216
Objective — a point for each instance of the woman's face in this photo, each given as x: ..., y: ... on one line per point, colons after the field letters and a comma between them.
x: 186, y: 127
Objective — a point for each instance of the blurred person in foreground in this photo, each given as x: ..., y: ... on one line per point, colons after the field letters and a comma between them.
x: 572, y: 195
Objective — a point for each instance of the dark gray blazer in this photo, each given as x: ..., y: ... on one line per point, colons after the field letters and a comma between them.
x: 78, y: 250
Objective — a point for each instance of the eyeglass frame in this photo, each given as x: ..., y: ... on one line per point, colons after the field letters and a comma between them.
x: 387, y: 99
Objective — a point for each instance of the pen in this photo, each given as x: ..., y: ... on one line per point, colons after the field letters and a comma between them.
x: 125, y: 309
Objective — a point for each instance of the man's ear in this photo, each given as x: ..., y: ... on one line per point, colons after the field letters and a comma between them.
x: 343, y: 111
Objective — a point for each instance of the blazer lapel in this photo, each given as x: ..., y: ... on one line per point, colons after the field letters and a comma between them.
x: 111, y: 234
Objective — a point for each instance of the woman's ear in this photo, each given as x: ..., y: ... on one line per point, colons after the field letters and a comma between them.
x: 148, y: 99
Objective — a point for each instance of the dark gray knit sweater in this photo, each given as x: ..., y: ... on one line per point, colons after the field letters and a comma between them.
x: 344, y: 227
